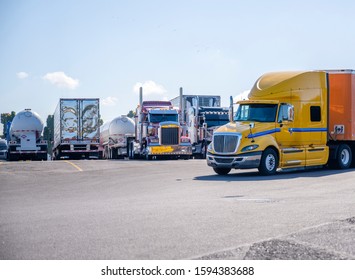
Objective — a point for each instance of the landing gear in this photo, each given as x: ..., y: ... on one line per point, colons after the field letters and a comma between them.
x: 131, y: 154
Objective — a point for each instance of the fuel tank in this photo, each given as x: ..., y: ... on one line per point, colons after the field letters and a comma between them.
x: 26, y: 121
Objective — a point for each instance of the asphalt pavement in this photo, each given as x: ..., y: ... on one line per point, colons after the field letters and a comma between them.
x: 180, y: 209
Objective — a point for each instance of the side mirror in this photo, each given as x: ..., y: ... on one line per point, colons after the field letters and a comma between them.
x: 231, y: 110
x: 290, y: 113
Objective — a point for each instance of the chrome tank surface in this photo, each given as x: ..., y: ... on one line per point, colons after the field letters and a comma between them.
x: 26, y: 120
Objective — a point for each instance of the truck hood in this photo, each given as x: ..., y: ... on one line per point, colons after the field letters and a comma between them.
x: 244, y: 128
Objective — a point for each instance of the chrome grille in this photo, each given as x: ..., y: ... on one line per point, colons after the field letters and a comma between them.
x: 80, y: 147
x: 225, y: 143
x: 169, y: 135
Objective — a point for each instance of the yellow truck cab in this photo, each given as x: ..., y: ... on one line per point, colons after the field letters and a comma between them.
x: 291, y: 120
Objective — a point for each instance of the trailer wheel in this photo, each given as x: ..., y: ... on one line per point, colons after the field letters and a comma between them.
x: 343, y: 157
x: 269, y: 162
x: 221, y: 171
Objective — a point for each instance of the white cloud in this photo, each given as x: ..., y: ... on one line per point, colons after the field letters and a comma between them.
x: 149, y: 88
x: 22, y: 75
x: 60, y: 79
x: 109, y: 101
x: 242, y: 96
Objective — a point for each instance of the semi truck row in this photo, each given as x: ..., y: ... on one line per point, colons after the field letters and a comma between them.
x: 158, y: 130
x: 291, y: 120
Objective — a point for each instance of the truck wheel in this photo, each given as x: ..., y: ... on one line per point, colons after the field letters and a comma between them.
x: 269, y: 162
x: 344, y: 157
x: 9, y: 157
x: 221, y: 171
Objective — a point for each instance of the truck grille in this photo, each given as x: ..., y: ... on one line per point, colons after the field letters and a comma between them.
x: 223, y: 160
x: 79, y: 147
x: 169, y: 135
x: 225, y: 143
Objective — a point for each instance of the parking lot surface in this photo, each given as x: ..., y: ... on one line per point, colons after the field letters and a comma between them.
x: 131, y: 209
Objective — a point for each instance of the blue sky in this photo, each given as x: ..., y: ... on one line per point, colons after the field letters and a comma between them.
x: 107, y: 49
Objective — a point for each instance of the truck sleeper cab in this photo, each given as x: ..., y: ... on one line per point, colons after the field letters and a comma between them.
x: 288, y: 123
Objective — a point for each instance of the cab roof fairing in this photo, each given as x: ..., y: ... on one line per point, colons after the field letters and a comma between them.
x: 269, y: 85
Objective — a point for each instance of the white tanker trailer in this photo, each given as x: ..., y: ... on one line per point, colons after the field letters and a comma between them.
x: 25, y: 137
x: 114, y: 136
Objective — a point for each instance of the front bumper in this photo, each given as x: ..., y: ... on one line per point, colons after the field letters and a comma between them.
x: 240, y: 161
x: 170, y: 150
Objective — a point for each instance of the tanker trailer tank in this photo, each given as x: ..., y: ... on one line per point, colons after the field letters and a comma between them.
x: 114, y: 136
x: 25, y: 137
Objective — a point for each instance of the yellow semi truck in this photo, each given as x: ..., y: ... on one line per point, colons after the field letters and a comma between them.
x: 292, y: 120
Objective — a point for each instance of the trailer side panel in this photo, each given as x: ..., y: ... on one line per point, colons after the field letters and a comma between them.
x: 341, y: 105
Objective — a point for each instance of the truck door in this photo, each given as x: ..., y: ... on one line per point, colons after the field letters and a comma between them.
x: 70, y: 119
x: 89, y: 119
x: 291, y: 150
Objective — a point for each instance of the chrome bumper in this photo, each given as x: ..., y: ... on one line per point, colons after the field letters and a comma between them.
x: 241, y: 161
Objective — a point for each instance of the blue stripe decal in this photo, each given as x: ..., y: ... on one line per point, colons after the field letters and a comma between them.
x: 291, y: 130
x: 266, y: 132
x: 307, y: 129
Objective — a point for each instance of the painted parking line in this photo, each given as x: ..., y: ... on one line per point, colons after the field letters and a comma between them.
x: 73, y: 164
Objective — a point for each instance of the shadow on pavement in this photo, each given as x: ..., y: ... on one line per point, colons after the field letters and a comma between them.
x: 254, y: 175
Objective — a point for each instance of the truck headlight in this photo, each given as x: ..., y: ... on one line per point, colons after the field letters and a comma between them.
x: 209, y: 148
x: 154, y: 140
x: 250, y: 148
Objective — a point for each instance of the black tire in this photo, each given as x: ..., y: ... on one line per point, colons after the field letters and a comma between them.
x: 114, y: 153
x: 221, y: 171
x: 344, y: 157
x: 9, y: 157
x: 269, y: 162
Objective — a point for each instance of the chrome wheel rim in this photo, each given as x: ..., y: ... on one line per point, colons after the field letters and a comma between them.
x: 345, y: 157
x: 270, y: 162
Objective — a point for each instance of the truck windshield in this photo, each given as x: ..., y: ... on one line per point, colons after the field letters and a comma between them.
x: 215, y: 119
x: 157, y: 118
x: 256, y: 112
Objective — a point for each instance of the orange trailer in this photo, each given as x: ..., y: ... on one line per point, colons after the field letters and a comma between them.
x: 341, y: 105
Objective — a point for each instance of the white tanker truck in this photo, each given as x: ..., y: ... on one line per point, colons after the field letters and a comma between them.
x: 25, y: 137
x: 114, y: 136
